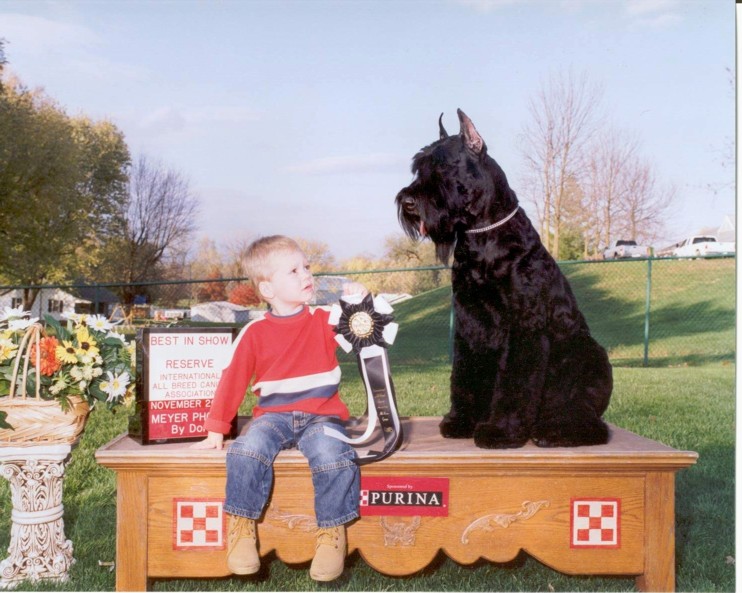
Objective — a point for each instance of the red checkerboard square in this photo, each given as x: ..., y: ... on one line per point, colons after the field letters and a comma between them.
x: 199, y: 524
x: 595, y: 523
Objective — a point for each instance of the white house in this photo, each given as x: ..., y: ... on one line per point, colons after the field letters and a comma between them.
x: 57, y: 302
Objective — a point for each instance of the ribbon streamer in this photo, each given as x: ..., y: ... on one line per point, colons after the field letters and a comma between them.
x: 365, y: 326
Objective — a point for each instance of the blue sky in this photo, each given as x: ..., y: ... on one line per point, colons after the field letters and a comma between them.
x: 301, y: 117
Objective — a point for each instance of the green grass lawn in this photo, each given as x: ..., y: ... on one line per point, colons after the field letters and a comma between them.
x: 692, y: 308
x: 687, y: 403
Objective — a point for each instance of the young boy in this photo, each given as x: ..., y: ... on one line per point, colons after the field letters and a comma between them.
x: 290, y: 354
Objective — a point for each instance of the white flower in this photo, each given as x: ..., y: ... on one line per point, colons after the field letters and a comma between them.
x: 116, y: 385
x: 58, y: 386
x: 8, y: 349
x: 12, y: 313
x: 18, y: 324
x: 82, y: 373
x: 77, y: 318
x: 116, y: 335
x: 98, y: 323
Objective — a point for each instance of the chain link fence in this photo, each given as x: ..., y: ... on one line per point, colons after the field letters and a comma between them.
x: 658, y: 312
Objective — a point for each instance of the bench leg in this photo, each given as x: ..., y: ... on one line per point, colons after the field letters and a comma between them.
x: 659, y: 529
x: 131, y: 527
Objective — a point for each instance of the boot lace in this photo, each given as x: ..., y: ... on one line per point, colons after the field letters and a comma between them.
x: 328, y: 537
x: 241, y: 528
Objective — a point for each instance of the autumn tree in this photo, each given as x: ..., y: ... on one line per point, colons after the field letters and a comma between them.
x: 401, y: 252
x: 360, y: 269
x: 244, y: 295
x: 234, y: 257
x: 206, y: 259
x: 214, y: 289
x: 319, y: 255
x: 61, y: 180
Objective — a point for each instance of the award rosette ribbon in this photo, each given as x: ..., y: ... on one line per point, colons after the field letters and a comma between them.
x: 365, y: 326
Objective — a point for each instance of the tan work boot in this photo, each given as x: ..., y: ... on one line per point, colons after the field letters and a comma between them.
x: 242, y: 550
x: 329, y: 555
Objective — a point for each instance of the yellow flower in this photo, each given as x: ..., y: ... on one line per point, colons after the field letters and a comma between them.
x: 8, y: 349
x: 66, y: 353
x: 86, y: 343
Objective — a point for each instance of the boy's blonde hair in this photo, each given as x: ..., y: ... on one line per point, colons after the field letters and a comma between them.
x: 258, y: 263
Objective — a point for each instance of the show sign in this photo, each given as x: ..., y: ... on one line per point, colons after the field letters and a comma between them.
x: 178, y: 370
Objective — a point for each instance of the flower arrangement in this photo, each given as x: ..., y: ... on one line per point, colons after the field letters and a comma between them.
x: 85, y: 357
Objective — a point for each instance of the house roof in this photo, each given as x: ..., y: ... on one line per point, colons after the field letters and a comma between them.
x: 93, y: 294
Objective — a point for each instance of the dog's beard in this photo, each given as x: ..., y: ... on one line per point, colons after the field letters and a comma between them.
x: 417, y: 229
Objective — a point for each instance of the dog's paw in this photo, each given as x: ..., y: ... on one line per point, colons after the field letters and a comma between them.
x: 456, y: 429
x: 487, y: 436
x: 566, y: 435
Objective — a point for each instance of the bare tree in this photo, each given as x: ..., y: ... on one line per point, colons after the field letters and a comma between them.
x: 642, y: 209
x: 563, y: 121
x: 607, y: 185
x: 622, y: 192
x: 159, y: 221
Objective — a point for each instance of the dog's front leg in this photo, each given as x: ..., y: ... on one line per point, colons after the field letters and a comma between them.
x: 516, y: 394
x: 472, y: 375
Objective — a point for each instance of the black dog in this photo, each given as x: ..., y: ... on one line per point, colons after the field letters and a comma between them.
x: 524, y: 363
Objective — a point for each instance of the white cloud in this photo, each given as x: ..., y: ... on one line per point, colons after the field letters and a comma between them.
x: 170, y: 118
x: 653, y: 14
x: 38, y: 44
x: 163, y: 120
x: 38, y: 35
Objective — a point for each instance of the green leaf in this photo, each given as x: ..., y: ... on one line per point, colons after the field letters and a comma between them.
x: 97, y: 392
x: 3, y: 422
x: 56, y: 328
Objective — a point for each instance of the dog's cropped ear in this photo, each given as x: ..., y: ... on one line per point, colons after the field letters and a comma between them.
x: 441, y: 129
x: 472, y: 139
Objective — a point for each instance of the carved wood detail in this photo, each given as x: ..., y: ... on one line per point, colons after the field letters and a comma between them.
x: 490, y: 522
x: 400, y: 533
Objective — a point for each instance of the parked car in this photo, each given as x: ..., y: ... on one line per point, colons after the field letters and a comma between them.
x: 625, y: 248
x: 700, y: 245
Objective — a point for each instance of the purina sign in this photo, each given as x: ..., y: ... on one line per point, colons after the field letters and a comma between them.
x: 177, y: 375
x: 401, y: 496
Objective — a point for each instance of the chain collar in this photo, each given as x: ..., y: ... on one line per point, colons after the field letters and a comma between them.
x: 495, y: 224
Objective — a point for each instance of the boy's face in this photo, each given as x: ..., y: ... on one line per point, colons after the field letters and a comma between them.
x: 291, y: 283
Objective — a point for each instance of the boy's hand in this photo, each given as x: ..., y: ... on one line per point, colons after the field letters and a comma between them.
x: 215, y: 440
x: 354, y: 288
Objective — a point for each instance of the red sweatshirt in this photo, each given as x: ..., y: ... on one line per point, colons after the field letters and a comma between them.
x: 293, y: 363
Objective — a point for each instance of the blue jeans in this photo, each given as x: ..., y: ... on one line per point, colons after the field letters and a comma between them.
x: 335, y: 476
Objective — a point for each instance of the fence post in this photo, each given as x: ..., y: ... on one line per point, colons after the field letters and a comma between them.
x: 646, y: 311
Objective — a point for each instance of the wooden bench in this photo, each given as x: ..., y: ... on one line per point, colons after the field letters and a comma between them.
x: 603, y: 510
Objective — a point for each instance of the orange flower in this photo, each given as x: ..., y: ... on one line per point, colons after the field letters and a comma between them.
x: 50, y: 364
